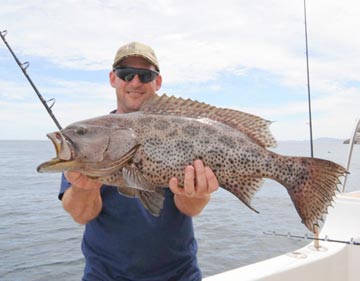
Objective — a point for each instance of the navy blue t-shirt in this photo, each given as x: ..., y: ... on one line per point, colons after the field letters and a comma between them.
x: 125, y: 242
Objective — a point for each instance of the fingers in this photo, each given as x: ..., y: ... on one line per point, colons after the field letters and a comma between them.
x: 81, y: 181
x: 189, y: 181
x: 174, y: 187
x: 199, y: 181
x: 72, y: 177
x: 206, y: 181
x: 213, y: 183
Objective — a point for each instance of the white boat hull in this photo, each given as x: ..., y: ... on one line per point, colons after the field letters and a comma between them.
x: 331, y: 262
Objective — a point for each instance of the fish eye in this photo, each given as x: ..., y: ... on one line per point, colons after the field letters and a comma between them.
x: 81, y: 130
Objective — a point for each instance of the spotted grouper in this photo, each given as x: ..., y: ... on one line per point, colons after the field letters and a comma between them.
x: 139, y: 152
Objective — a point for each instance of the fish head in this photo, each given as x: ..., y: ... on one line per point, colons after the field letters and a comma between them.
x: 90, y: 148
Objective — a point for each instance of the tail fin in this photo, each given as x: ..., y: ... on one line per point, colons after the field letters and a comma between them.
x: 312, y: 185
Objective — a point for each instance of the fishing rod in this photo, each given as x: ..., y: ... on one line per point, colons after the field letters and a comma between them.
x: 308, y: 82
x: 23, y: 67
x: 352, y: 241
x: 316, y: 242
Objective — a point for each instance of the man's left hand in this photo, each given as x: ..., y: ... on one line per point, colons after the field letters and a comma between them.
x: 199, y: 182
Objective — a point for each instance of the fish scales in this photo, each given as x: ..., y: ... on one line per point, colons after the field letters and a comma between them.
x: 139, y: 152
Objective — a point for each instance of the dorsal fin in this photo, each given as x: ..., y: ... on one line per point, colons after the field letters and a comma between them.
x: 256, y: 128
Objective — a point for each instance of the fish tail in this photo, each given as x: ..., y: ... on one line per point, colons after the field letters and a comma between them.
x: 311, y: 184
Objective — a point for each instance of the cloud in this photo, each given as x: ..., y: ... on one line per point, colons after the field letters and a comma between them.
x: 196, y: 44
x: 193, y: 42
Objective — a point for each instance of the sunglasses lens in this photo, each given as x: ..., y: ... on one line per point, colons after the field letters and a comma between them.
x: 128, y: 73
x: 125, y: 74
x: 147, y: 76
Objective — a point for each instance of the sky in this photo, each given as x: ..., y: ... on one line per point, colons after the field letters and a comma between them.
x: 245, y: 55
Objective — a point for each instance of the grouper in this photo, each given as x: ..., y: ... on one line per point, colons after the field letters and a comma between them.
x: 139, y: 152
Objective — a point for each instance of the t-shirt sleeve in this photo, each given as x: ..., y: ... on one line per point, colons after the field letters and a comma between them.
x: 64, y: 186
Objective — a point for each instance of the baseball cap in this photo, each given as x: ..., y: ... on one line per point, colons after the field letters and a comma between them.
x: 136, y: 49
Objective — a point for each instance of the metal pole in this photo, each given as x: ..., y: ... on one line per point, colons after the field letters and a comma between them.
x: 308, y: 82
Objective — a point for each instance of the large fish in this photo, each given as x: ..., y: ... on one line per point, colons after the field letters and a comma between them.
x: 139, y: 152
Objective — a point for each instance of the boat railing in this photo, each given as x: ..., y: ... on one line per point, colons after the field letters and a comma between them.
x: 353, y: 140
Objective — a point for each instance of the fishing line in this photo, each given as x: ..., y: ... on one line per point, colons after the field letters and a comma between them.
x: 24, y: 66
x: 351, y: 241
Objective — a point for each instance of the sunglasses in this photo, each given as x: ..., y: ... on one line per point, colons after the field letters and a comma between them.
x: 128, y: 73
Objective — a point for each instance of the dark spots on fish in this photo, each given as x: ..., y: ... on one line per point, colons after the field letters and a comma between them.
x: 184, y: 146
x: 227, y: 141
x: 152, y: 142
x: 244, y: 160
x: 190, y: 131
x: 172, y: 133
x: 267, y: 167
x: 204, y: 142
x: 212, y: 152
x: 143, y: 122
x: 210, y: 131
x: 161, y: 125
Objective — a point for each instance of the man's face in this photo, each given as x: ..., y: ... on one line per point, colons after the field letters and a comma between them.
x: 131, y: 95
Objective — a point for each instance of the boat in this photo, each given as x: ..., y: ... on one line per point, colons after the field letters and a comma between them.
x: 335, y: 254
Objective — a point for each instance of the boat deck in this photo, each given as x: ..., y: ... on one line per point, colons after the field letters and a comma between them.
x: 353, y: 194
x: 331, y: 262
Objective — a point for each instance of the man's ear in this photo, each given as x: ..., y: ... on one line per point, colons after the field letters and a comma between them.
x: 112, y: 77
x: 158, y: 82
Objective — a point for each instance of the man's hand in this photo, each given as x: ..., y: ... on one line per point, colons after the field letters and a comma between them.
x: 81, y: 181
x: 199, y: 183
x: 82, y: 200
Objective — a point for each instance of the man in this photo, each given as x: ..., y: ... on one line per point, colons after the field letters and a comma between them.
x: 122, y: 240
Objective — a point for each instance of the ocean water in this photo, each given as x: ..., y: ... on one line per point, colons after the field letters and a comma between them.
x: 39, y: 241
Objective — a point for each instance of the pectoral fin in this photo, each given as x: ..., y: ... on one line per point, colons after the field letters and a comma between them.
x: 134, y: 178
x: 128, y: 192
x: 137, y: 185
x: 152, y: 201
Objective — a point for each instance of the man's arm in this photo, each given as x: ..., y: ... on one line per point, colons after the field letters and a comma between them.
x: 192, y: 199
x: 82, y: 200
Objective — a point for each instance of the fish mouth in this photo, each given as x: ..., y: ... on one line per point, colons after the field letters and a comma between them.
x: 65, y: 155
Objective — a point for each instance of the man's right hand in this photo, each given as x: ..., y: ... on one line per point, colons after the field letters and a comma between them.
x: 81, y: 181
x: 82, y: 199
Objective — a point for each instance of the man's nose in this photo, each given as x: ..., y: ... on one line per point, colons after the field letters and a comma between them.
x: 136, y: 80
